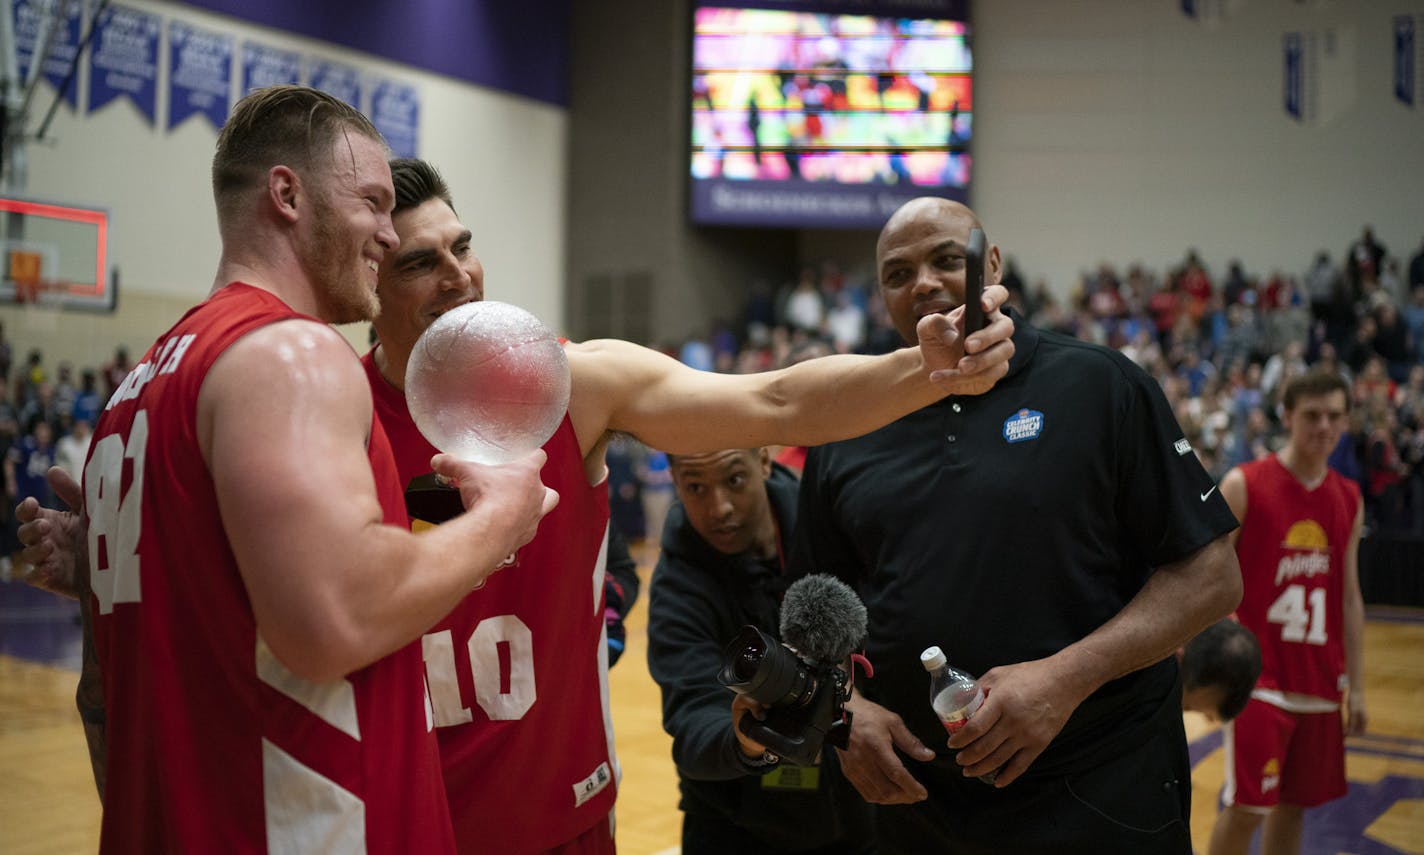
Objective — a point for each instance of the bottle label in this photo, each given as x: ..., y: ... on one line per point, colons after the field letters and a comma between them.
x: 956, y: 720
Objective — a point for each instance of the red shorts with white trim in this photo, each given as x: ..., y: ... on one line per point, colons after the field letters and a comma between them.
x: 1274, y: 757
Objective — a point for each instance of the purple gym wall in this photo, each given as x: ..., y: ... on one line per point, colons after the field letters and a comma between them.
x: 519, y: 47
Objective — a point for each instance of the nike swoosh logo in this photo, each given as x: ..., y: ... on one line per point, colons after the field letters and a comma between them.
x: 1207, y: 493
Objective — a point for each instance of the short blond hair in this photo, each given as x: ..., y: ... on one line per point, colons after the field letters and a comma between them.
x: 279, y: 125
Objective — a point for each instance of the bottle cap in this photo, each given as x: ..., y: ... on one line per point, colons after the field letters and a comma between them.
x: 932, y: 659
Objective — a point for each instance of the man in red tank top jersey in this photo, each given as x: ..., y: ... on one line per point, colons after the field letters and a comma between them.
x: 1298, y: 544
x: 257, y: 595
x: 542, y: 705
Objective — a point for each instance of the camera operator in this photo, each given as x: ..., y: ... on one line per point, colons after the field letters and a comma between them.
x: 721, y: 568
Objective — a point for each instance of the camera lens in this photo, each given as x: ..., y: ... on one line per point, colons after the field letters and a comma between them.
x: 757, y: 665
x: 747, y: 661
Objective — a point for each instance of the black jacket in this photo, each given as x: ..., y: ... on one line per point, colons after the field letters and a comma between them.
x: 699, y: 599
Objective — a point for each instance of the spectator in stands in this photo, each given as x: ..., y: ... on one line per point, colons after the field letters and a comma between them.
x: 1194, y: 282
x: 1236, y: 284
x: 41, y: 406
x: 1392, y: 341
x: 1364, y: 259
x: 72, y: 448
x: 87, y: 402
x: 116, y: 370
x: 31, y: 378
x: 1416, y: 270
x: 1414, y: 320
x: 1360, y: 346
x: 1281, y: 366
x: 1392, y: 283
x: 1384, y: 472
x: 1013, y: 280
x: 805, y: 309
x: 1373, y: 390
x: 26, y: 463
x: 846, y: 323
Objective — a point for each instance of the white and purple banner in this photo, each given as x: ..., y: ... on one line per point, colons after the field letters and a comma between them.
x: 199, y: 73
x: 1405, y: 53
x: 264, y: 65
x: 124, y: 59
x: 1320, y: 84
x: 1293, y: 81
x: 395, y: 111
x: 336, y: 78
x: 53, y: 24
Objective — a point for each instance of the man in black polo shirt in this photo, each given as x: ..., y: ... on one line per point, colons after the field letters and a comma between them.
x: 1055, y: 536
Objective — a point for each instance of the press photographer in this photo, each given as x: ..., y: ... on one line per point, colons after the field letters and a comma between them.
x: 721, y: 570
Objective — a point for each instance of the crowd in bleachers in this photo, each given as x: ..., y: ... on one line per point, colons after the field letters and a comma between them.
x: 1220, y: 345
x: 47, y: 416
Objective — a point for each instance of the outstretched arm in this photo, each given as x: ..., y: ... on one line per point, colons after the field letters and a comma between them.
x: 623, y: 387
x: 1029, y: 702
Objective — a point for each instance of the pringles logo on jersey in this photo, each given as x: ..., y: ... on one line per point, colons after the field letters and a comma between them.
x: 1270, y: 775
x: 1023, y: 425
x: 1311, y: 555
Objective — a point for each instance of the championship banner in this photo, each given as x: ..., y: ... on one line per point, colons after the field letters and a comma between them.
x: 124, y: 60
x: 1405, y: 80
x: 335, y: 78
x: 395, y: 111
x: 199, y: 73
x: 1293, y: 92
x: 263, y: 65
x: 53, y: 24
x: 1319, y: 76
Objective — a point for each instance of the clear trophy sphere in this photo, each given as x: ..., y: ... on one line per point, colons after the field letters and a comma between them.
x: 487, y: 382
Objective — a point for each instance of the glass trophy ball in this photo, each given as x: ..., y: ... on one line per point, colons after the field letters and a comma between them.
x: 487, y: 382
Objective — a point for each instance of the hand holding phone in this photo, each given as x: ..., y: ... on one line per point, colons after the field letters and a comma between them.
x: 974, y: 282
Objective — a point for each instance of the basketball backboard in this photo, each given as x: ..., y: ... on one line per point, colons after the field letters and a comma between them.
x: 55, y: 255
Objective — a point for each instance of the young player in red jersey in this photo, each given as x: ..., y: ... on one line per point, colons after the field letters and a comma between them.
x: 542, y: 706
x: 1298, y: 544
x: 257, y: 595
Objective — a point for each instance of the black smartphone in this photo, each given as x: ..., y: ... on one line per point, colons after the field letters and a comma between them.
x: 974, y: 282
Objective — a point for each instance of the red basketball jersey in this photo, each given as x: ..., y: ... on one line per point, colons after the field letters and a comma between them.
x: 518, y: 672
x: 1292, y: 552
x: 212, y: 743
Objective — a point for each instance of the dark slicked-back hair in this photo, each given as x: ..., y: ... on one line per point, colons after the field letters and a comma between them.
x: 417, y: 182
x: 293, y: 126
x: 1224, y: 654
x: 1313, y: 384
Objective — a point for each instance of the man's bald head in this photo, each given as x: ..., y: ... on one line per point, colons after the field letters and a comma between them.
x: 924, y: 210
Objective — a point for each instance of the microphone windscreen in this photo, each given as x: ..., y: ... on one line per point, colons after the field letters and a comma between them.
x: 822, y: 618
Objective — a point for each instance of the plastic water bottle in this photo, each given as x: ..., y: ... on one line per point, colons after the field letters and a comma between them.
x: 954, y: 695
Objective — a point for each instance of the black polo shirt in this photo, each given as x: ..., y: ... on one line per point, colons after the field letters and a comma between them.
x: 1006, y: 526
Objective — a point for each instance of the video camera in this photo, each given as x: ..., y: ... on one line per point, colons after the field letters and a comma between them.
x: 806, y: 700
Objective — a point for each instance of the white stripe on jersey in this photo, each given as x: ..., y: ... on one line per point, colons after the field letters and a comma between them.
x: 306, y: 812
x: 334, y: 702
